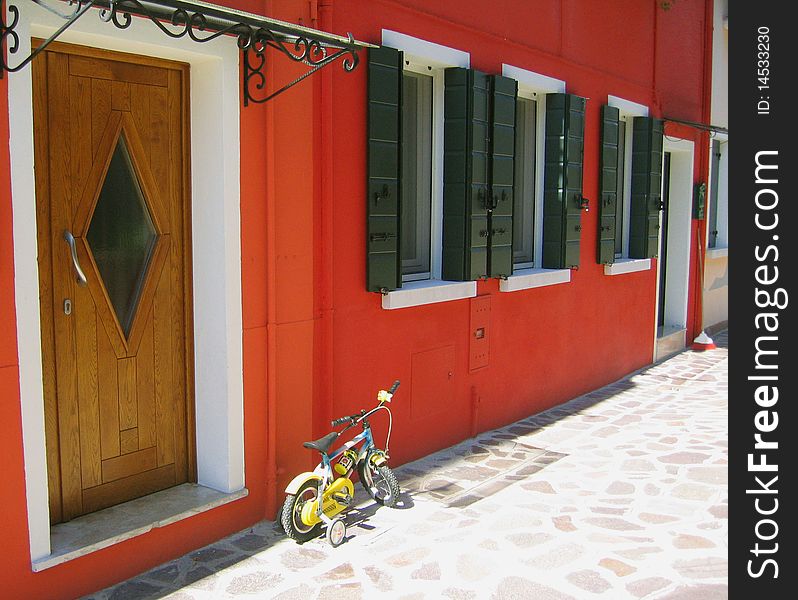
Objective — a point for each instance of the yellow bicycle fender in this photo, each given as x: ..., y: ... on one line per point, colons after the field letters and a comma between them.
x: 296, y: 482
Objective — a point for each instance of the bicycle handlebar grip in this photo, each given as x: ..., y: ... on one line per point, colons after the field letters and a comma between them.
x: 394, y: 387
x: 340, y: 421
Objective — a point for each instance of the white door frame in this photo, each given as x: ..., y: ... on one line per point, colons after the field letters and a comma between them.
x: 679, y: 242
x: 216, y: 249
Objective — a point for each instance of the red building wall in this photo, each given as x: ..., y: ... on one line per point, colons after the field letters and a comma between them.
x: 316, y: 344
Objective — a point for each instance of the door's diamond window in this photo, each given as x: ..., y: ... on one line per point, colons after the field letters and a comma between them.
x: 122, y: 235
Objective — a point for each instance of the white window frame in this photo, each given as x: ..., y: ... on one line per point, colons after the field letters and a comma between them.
x: 722, y: 222
x: 535, y: 86
x: 414, y: 65
x: 429, y: 58
x: 627, y: 111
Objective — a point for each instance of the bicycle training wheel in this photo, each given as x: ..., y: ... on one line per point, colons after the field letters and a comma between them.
x: 379, y: 482
x: 291, y: 513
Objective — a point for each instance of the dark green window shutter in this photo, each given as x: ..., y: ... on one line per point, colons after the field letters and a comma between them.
x: 608, y: 185
x: 562, y: 181
x: 504, y: 93
x: 383, y: 270
x: 646, y: 187
x: 465, y: 175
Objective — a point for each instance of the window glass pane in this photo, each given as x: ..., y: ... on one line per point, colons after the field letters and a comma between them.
x: 416, y: 173
x: 620, y: 203
x: 524, y: 182
x: 713, y: 194
x: 121, y: 236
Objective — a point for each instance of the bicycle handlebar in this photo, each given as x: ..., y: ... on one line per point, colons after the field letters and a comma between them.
x: 342, y: 420
x: 353, y: 418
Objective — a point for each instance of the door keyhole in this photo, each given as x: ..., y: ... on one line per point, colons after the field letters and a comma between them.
x: 67, y: 307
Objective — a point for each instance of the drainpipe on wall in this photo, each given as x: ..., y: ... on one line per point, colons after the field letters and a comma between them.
x: 703, y: 341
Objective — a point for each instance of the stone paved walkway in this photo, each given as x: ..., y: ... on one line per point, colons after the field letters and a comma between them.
x: 621, y: 493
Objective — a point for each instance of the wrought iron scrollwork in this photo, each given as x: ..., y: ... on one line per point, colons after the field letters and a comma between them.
x: 307, y: 51
x: 203, y: 23
x: 10, y: 39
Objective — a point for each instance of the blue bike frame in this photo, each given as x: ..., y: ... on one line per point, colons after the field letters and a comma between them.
x: 324, y: 469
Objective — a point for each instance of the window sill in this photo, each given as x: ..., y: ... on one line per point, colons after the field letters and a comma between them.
x: 627, y: 265
x: 717, y: 252
x: 429, y: 291
x: 110, y: 526
x: 525, y: 279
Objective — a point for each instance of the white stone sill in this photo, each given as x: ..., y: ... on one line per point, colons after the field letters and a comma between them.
x: 627, y: 265
x: 525, y: 279
x: 429, y: 291
x: 717, y: 252
x: 110, y: 526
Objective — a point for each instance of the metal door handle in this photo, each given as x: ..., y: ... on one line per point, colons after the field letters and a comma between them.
x: 70, y: 240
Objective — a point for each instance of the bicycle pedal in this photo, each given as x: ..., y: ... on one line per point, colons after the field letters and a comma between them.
x: 344, y: 499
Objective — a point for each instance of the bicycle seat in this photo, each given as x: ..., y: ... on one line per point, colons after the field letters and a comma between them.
x: 322, y: 444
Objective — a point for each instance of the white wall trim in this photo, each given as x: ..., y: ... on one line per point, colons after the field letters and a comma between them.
x: 534, y: 82
x: 435, y: 55
x: 216, y: 249
x: 429, y: 58
x: 526, y: 279
x: 679, y: 248
x: 627, y: 265
x: 629, y: 108
x: 535, y: 86
x: 418, y: 293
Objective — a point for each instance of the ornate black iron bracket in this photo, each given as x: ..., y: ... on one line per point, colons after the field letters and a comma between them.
x: 201, y: 22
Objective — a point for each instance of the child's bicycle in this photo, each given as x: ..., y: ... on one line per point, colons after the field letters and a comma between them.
x: 302, y: 514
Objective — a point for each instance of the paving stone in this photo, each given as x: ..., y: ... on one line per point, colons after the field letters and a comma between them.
x: 429, y: 571
x: 613, y: 523
x: 563, y: 523
x: 685, y: 541
x: 620, y: 487
x: 302, y: 558
x: 459, y: 594
x: 544, y: 487
x: 408, y: 557
x: 684, y: 458
x: 702, y: 568
x: 382, y: 580
x: 301, y: 592
x: 134, y: 590
x: 556, y: 557
x: 657, y: 519
x: 693, y: 491
x: 639, y: 464
x: 472, y: 568
x: 649, y: 585
x: 199, y: 577
x: 527, y: 540
x: 211, y: 554
x: 342, y: 571
x: 167, y: 574
x: 515, y: 588
x: 620, y: 568
x: 698, y: 592
x: 253, y: 583
x: 713, y: 475
x: 251, y: 542
x: 589, y: 581
x: 341, y: 590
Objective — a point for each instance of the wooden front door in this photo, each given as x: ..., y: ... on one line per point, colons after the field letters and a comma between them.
x: 111, y: 156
